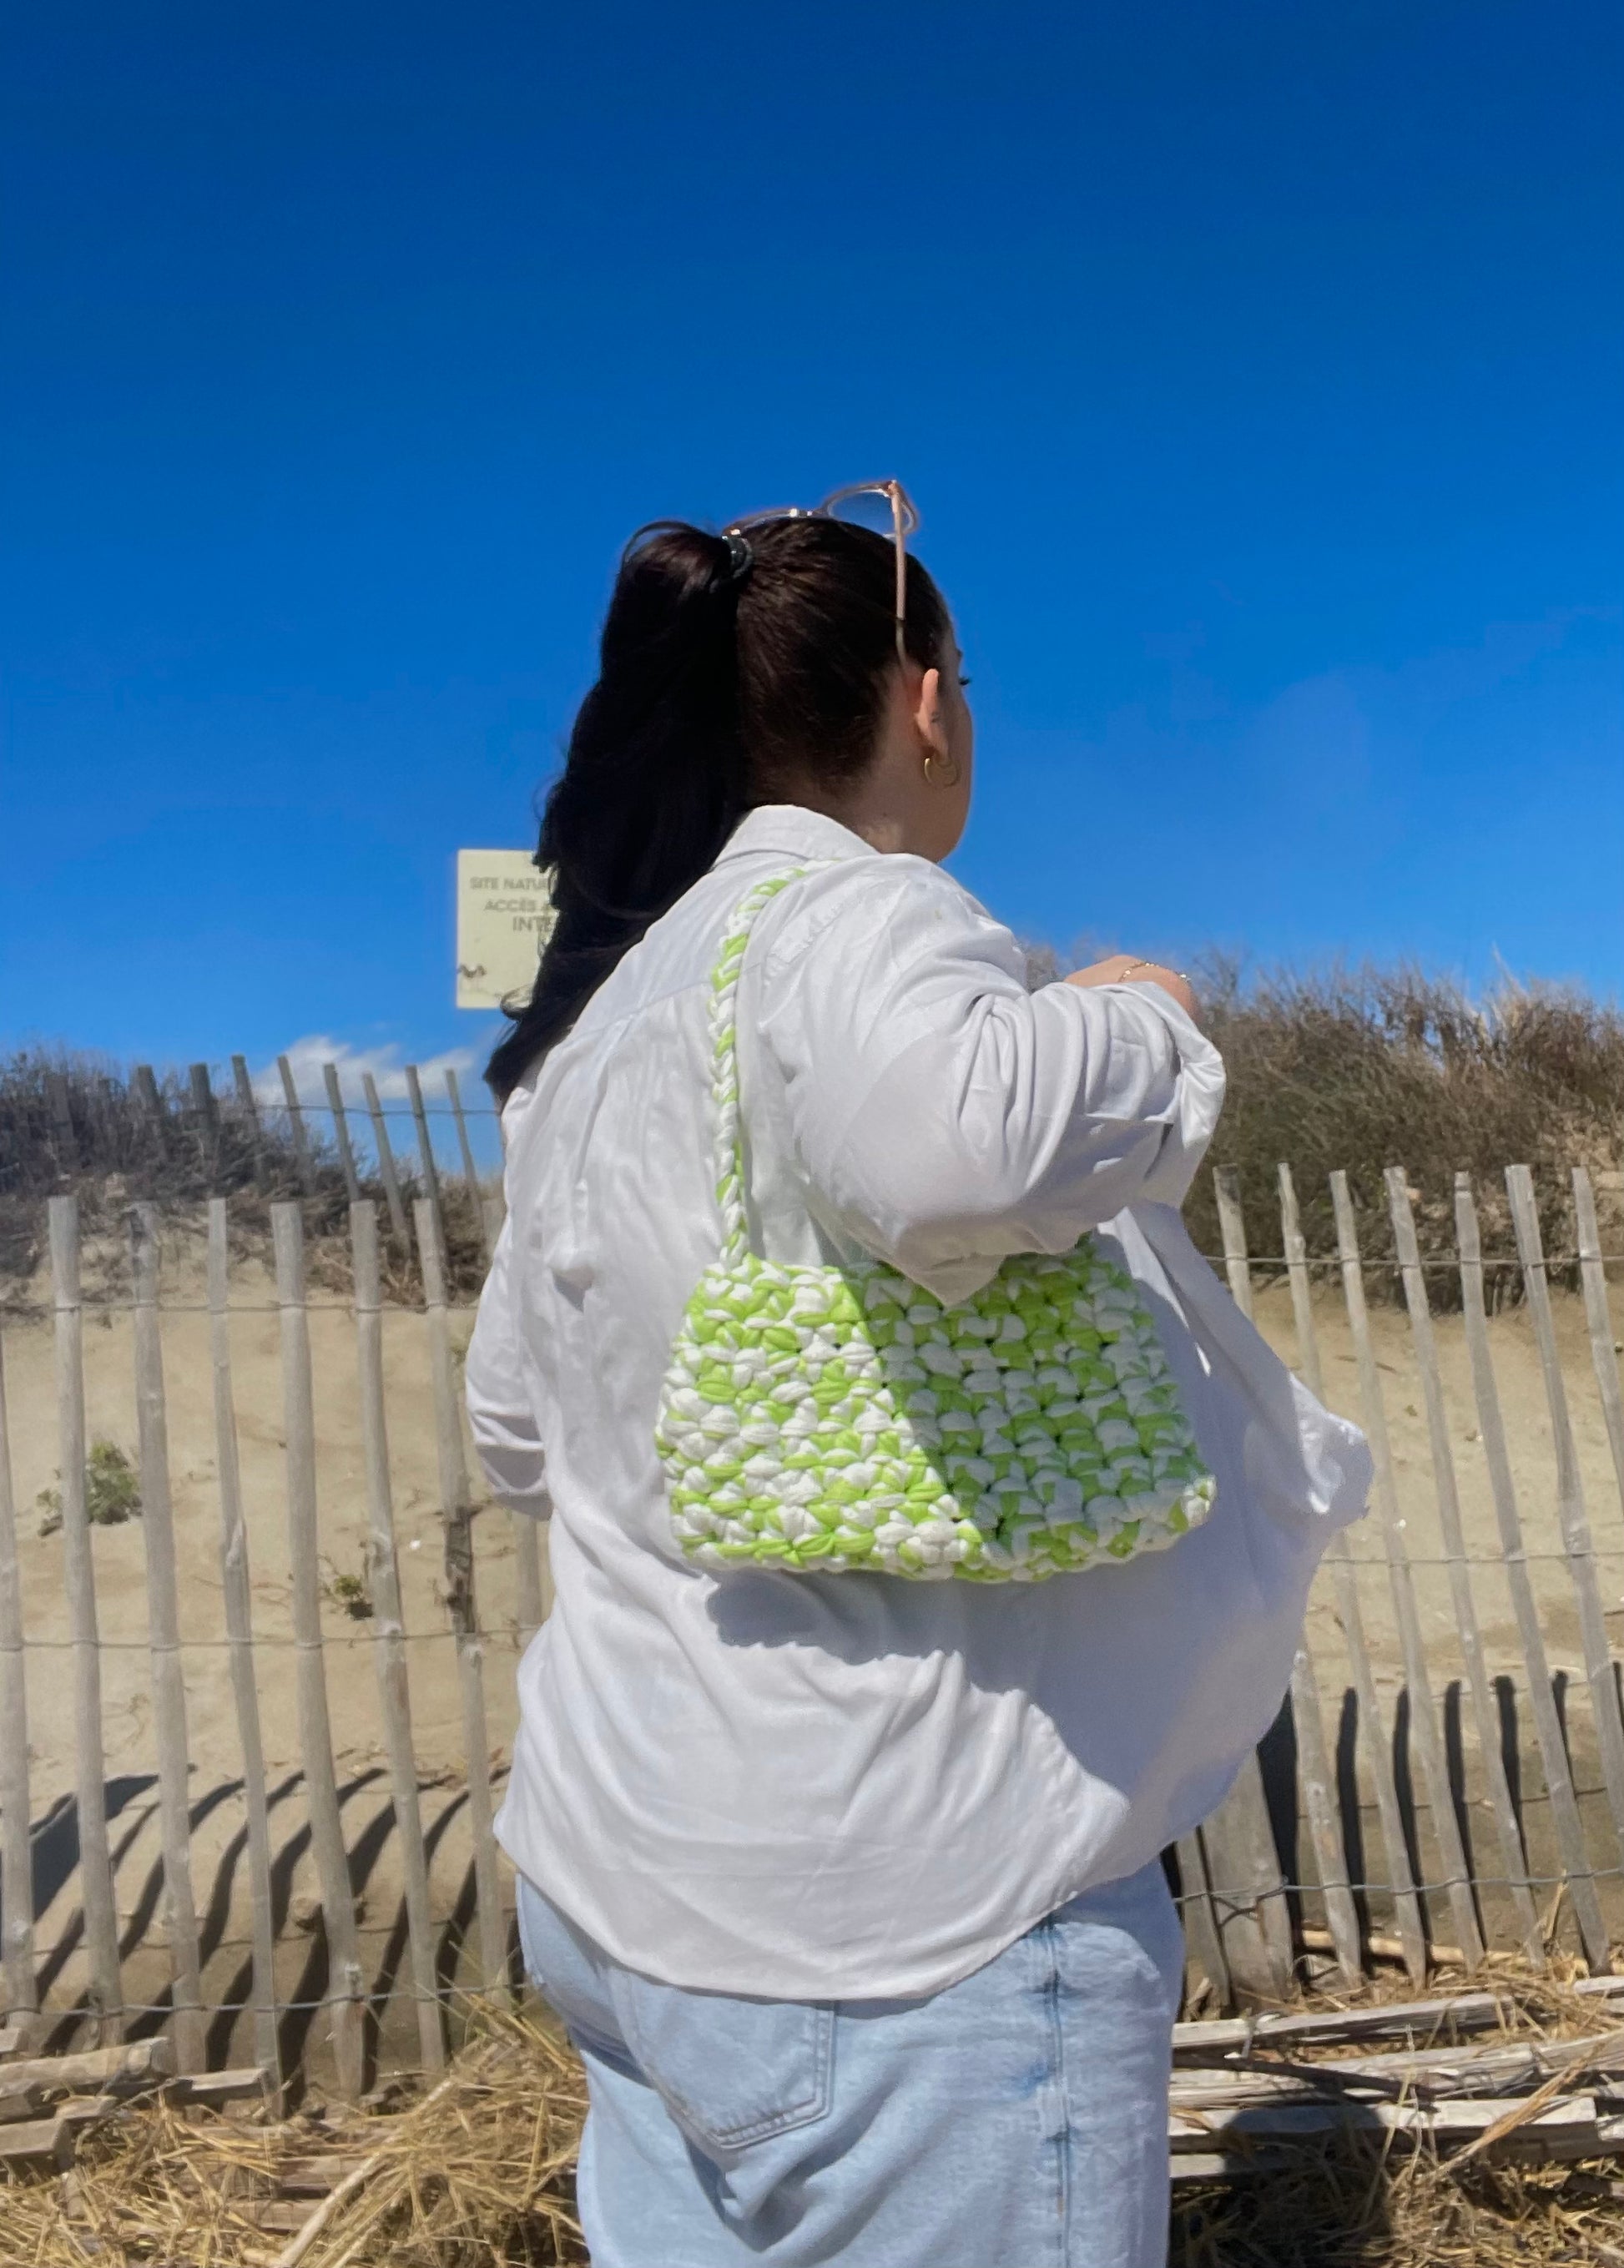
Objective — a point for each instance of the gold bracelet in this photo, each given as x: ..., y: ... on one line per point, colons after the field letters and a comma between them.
x: 1182, y: 975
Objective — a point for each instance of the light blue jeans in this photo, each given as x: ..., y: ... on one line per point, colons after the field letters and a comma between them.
x: 1017, y: 2119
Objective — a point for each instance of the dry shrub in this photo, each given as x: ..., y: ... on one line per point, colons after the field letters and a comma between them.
x: 115, y: 1150
x: 1370, y: 1068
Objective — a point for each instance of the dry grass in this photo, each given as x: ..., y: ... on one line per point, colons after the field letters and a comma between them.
x: 1359, y: 2202
x: 479, y: 2173
x: 1353, y: 2205
x: 115, y: 1152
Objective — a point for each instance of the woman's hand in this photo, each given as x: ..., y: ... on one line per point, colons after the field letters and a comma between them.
x: 1129, y: 968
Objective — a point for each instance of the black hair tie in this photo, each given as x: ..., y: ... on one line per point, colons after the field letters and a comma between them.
x: 741, y: 557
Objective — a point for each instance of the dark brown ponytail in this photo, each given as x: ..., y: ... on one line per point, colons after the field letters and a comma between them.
x: 726, y: 678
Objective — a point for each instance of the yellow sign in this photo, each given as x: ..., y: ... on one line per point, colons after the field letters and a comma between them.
x: 504, y: 919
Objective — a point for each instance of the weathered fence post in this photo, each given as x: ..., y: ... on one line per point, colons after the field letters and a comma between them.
x: 163, y: 1642
x: 455, y: 1497
x: 145, y: 1086
x: 1247, y: 1889
x: 1485, y: 1716
x: 1598, y: 1318
x: 238, y: 1604
x: 1200, y: 1915
x: 1232, y: 1230
x: 327, y: 1836
x: 208, y: 1124
x: 101, y: 1946
x: 1423, y: 1713
x: 425, y: 1148
x: 341, y: 1133
x: 1570, y: 1498
x: 470, y: 1175
x: 1513, y: 1553
x: 1301, y: 1287
x: 67, y: 1142
x: 388, y: 1647
x: 16, y: 1864
x: 531, y: 1584
x: 247, y: 1104
x: 296, y: 1124
x: 1345, y: 1586
x: 386, y: 1163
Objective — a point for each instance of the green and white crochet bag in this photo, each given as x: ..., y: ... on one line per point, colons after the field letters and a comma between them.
x: 821, y: 1419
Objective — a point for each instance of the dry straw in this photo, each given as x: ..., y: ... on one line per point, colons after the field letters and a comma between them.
x: 479, y: 2171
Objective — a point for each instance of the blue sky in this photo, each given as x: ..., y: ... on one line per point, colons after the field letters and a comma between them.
x: 1257, y: 370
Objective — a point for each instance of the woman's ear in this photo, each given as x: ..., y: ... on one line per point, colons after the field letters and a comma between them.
x: 928, y: 721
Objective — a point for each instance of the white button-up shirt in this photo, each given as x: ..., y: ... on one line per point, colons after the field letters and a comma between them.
x: 852, y: 1786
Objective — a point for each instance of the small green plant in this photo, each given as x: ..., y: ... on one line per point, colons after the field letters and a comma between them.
x: 112, y: 1490
x: 350, y: 1593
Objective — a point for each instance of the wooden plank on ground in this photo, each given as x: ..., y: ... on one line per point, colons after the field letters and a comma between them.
x: 1486, y: 1718
x: 457, y: 1500
x: 1423, y: 1712
x: 1564, y: 2128
x: 389, y: 1643
x: 345, y: 1990
x: 124, y: 2069
x: 168, y: 1672
x: 1415, y: 2020
x: 38, y: 2142
x: 1575, y: 1530
x: 79, y: 1583
x: 239, y: 1610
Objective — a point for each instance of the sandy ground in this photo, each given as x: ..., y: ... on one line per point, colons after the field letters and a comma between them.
x: 120, y: 1579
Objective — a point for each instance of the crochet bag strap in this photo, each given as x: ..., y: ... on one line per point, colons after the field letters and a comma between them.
x: 725, y: 1054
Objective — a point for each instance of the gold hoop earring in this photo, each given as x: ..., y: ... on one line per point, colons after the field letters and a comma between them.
x: 949, y: 775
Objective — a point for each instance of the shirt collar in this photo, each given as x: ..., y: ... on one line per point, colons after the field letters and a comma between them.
x: 791, y: 827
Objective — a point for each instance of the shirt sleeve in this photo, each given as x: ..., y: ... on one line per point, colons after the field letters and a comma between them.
x: 500, y: 1413
x: 942, y: 1115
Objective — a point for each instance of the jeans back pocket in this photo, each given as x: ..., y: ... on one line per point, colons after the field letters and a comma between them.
x: 731, y: 2072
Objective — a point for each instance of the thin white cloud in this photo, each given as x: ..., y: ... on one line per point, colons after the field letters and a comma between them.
x: 309, y: 1058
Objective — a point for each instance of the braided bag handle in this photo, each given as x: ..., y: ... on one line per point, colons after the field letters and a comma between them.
x: 725, y: 1054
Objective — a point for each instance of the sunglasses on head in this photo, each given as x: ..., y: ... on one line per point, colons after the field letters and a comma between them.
x: 882, y: 506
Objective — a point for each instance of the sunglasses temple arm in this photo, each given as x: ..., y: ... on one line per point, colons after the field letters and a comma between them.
x: 901, y: 577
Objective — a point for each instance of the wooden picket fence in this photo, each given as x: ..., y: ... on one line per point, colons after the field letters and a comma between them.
x: 1327, y: 1852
